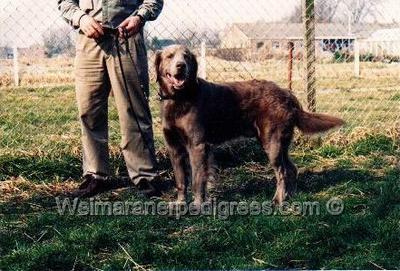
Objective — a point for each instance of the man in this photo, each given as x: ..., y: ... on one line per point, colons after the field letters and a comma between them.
x: 101, y: 66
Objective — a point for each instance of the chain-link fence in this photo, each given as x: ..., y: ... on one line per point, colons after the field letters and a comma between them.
x: 339, y: 56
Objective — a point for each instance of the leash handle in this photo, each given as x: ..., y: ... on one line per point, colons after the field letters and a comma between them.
x: 114, y: 31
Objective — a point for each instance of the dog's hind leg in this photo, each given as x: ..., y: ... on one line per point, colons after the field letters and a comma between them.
x: 276, y: 141
x: 211, y: 178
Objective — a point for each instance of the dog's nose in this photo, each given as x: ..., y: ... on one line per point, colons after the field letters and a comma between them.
x: 181, y: 65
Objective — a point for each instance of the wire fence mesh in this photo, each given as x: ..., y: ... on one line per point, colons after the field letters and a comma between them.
x: 357, y: 51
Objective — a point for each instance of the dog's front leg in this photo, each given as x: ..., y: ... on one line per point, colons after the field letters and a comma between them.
x: 198, y: 154
x: 177, y: 154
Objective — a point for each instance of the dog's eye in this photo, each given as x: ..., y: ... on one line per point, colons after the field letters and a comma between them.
x: 170, y: 56
x: 187, y: 56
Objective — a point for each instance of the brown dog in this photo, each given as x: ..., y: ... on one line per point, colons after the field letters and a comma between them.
x: 197, y: 114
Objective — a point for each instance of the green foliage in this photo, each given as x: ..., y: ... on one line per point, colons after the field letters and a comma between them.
x: 395, y: 98
x: 342, y: 57
x: 329, y: 151
x: 378, y: 143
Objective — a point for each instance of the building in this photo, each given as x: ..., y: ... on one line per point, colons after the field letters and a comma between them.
x: 383, y: 42
x: 267, y: 40
x: 33, y: 51
x: 6, y: 52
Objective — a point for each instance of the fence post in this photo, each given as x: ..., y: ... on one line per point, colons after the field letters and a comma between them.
x: 203, y: 61
x: 16, y: 65
x: 309, y: 55
x: 356, y: 58
x: 290, y: 67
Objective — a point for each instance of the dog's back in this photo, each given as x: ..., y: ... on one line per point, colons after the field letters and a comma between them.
x: 230, y: 110
x: 222, y: 112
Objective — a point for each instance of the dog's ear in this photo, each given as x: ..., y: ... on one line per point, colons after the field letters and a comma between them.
x: 157, y: 63
x: 194, y: 64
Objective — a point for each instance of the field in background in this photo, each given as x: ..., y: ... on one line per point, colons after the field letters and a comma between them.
x: 371, y: 101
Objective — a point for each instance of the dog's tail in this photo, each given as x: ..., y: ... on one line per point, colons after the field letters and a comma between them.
x: 312, y: 123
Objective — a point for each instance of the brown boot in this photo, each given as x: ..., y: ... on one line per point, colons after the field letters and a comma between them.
x: 92, y: 186
x: 147, y: 189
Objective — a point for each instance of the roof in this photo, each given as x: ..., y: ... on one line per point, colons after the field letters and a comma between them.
x: 293, y: 31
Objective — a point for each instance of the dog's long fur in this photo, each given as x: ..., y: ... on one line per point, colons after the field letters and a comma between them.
x: 197, y: 114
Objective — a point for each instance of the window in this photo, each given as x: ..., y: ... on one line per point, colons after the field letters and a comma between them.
x: 276, y: 45
x: 260, y: 44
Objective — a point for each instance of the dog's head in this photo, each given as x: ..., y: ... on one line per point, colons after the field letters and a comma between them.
x: 176, y: 69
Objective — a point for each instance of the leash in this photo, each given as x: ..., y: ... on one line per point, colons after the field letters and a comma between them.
x: 114, y: 32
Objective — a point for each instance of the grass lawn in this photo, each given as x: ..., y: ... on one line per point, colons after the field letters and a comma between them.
x: 40, y: 159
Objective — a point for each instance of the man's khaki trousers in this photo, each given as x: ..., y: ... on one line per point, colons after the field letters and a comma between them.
x: 97, y: 72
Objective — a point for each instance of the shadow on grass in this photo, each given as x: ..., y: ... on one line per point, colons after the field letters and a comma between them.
x: 40, y: 169
x: 314, y: 182
x: 48, y: 169
x: 308, y: 182
x: 236, y: 180
x: 234, y: 184
x: 238, y: 152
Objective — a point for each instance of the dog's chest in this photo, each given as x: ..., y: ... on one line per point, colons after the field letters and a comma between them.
x: 177, y: 130
x: 176, y: 116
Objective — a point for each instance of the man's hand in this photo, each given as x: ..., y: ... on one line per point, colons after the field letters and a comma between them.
x: 132, y: 24
x: 90, y: 27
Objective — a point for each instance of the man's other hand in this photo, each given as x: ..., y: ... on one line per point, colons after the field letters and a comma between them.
x: 132, y: 24
x: 90, y: 27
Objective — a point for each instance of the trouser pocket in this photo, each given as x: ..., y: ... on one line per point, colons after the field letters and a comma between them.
x: 138, y: 50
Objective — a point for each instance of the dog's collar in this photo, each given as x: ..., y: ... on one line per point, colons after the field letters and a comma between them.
x: 163, y: 97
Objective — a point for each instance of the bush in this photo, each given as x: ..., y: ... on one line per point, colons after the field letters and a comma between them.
x: 342, y: 57
x: 369, y: 57
x: 58, y: 42
x: 231, y: 54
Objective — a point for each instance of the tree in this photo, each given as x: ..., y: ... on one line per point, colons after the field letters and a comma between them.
x: 296, y: 16
x: 360, y: 9
x: 329, y: 11
x: 194, y: 38
x: 325, y: 11
x: 58, y: 41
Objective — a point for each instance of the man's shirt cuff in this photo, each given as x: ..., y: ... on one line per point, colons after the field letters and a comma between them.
x: 77, y: 17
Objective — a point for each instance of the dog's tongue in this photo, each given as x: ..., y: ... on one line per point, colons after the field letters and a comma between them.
x: 175, y: 81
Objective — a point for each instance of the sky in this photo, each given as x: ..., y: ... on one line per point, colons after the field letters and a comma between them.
x: 23, y: 22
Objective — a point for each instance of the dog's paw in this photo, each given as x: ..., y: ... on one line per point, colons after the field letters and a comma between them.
x: 280, y: 195
x: 284, y: 192
x: 197, y: 203
x: 181, y: 198
x: 177, y: 203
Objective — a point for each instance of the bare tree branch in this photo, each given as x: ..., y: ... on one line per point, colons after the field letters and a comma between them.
x: 361, y: 9
x: 325, y: 11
